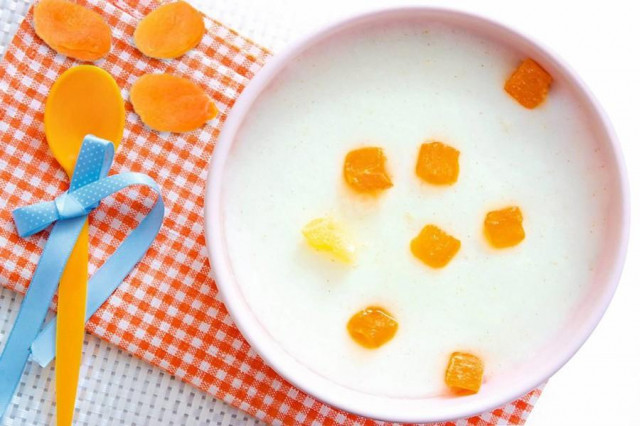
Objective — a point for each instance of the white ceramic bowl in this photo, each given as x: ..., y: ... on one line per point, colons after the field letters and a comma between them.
x: 499, y: 390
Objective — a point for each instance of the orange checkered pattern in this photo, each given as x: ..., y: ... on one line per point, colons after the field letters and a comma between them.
x: 167, y: 312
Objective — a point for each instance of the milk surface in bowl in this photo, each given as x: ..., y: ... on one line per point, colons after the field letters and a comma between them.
x: 396, y: 85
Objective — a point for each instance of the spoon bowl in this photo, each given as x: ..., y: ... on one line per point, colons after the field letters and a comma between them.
x: 84, y: 100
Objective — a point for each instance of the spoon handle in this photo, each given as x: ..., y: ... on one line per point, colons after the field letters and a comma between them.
x: 72, y: 305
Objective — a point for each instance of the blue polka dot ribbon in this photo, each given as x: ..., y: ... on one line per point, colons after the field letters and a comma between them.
x: 89, y: 185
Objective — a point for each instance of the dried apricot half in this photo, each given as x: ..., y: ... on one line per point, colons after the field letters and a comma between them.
x: 464, y: 372
x: 364, y: 170
x: 529, y: 84
x: 503, y: 228
x: 168, y: 103
x: 169, y: 31
x: 372, y: 327
x: 438, y: 163
x: 72, y: 30
x: 327, y: 235
x: 434, y: 247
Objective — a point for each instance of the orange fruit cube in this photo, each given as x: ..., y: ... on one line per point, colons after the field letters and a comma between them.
x: 464, y: 372
x: 434, y: 247
x: 364, y: 170
x: 529, y: 84
x: 372, y: 327
x: 438, y: 163
x: 327, y: 235
x: 503, y: 228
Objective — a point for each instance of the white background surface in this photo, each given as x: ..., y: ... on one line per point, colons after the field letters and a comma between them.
x: 599, y: 386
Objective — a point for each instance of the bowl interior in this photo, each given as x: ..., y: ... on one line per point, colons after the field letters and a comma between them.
x: 503, y: 388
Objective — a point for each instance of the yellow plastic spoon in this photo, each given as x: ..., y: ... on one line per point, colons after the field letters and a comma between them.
x: 84, y: 100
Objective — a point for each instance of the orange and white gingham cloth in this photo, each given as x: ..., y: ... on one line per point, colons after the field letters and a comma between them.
x: 167, y: 311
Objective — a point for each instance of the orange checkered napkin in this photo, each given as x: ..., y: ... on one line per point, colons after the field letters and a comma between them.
x: 167, y: 311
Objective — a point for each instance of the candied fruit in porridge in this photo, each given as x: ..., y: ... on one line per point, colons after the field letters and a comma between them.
x: 529, y: 84
x: 503, y: 228
x: 372, y: 327
x: 365, y: 171
x: 434, y: 247
x: 438, y: 163
x: 327, y: 235
x: 464, y: 372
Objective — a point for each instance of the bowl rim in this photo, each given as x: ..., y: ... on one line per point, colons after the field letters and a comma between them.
x: 375, y: 406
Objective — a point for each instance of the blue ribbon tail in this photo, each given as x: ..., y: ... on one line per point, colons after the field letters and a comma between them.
x: 106, y: 279
x: 35, y: 306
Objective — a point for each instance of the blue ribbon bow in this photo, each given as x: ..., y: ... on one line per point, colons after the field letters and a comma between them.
x: 89, y: 185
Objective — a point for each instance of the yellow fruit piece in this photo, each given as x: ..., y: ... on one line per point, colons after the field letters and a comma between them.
x: 438, y: 163
x: 169, y: 31
x: 372, y: 327
x: 364, y: 170
x: 464, y: 372
x: 72, y: 30
x: 503, y: 228
x: 325, y: 234
x: 434, y: 247
x: 168, y: 103
x: 529, y: 84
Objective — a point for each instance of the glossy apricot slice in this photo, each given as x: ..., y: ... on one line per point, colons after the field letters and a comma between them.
x: 438, y: 163
x: 327, y: 235
x: 434, y: 247
x: 364, y: 170
x: 529, y: 84
x: 372, y: 327
x: 72, y: 30
x: 464, y: 372
x: 169, y: 31
x: 503, y: 228
x: 168, y: 103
